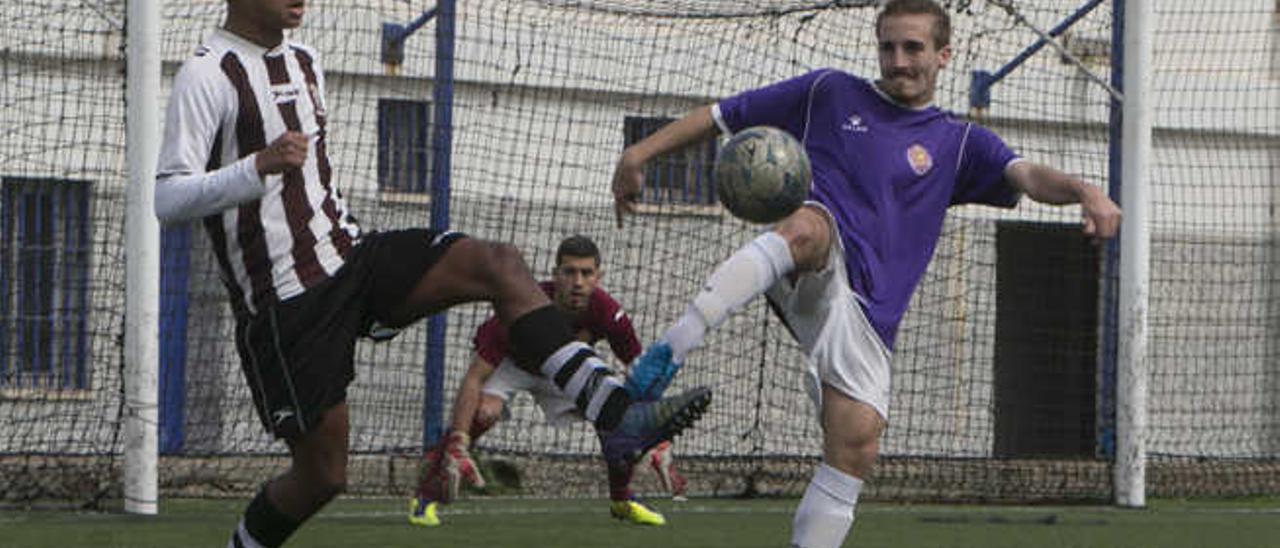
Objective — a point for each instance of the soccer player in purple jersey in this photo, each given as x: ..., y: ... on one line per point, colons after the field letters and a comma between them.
x: 492, y: 380
x: 245, y: 150
x: 840, y: 270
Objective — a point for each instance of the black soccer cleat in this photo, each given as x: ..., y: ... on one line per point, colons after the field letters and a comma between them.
x: 648, y: 423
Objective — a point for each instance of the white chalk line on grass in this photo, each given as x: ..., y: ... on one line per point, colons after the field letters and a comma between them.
x: 577, y: 507
x: 567, y: 509
x: 685, y: 508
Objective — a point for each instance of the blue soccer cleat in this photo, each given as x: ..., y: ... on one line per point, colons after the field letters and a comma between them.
x: 648, y: 423
x: 652, y: 372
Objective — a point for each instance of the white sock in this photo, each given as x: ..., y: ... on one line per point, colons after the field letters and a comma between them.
x: 749, y: 272
x: 686, y: 334
x: 825, y: 513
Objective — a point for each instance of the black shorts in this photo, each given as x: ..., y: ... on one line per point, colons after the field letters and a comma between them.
x: 298, y: 354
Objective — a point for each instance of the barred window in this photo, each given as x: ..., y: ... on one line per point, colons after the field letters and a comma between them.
x: 404, y: 146
x: 681, y: 177
x: 44, y: 286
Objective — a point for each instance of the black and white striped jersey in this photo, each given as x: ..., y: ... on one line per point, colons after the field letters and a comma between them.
x: 274, y: 236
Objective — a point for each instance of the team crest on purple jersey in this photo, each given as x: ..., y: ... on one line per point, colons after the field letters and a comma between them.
x: 919, y: 159
x: 889, y: 218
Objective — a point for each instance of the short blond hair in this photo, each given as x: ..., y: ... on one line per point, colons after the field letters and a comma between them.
x: 941, y: 21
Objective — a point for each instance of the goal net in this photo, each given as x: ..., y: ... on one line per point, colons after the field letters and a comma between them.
x: 1003, y: 385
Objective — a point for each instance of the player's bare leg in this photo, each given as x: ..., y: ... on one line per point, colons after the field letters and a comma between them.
x: 808, y: 233
x: 473, y: 270
x: 851, y: 433
x: 317, y: 474
x: 851, y: 443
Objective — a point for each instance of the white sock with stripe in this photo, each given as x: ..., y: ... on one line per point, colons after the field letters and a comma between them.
x: 587, y: 380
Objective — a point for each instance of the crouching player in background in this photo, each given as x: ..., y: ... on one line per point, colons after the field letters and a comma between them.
x: 492, y: 379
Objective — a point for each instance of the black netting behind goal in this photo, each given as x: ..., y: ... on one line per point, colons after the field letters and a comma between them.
x: 1003, y: 375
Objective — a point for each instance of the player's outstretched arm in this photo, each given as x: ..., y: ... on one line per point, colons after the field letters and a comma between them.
x: 467, y: 400
x: 628, y: 175
x: 1048, y: 185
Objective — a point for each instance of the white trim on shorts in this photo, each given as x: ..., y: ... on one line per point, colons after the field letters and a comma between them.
x: 826, y: 319
x: 508, y: 378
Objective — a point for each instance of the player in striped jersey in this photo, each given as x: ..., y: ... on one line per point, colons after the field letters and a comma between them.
x: 245, y: 150
x: 485, y: 390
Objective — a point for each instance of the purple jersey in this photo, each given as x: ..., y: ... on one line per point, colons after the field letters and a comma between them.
x: 886, y: 172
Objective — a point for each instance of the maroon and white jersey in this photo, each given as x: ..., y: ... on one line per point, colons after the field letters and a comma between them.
x: 274, y: 236
x: 603, y: 319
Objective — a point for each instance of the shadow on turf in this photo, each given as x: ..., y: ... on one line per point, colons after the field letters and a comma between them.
x: 1047, y: 519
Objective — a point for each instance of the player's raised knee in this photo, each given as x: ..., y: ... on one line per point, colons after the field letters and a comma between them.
x: 808, y: 235
x: 508, y: 258
x: 489, y: 411
x: 853, y: 449
x: 502, y: 262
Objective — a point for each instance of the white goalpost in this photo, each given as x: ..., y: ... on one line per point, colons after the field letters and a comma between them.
x: 1135, y: 261
x: 142, y: 263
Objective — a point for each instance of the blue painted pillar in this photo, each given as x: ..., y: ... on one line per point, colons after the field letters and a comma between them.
x: 175, y: 269
x: 433, y: 417
x: 1111, y: 259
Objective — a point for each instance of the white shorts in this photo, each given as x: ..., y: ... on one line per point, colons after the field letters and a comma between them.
x: 841, y: 347
x: 508, y: 379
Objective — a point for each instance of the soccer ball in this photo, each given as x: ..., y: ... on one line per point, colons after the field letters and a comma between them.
x: 762, y: 174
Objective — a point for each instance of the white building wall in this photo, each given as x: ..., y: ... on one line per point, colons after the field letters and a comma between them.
x: 538, y: 115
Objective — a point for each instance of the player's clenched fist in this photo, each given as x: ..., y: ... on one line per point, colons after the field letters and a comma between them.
x: 287, y: 152
x: 628, y: 178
